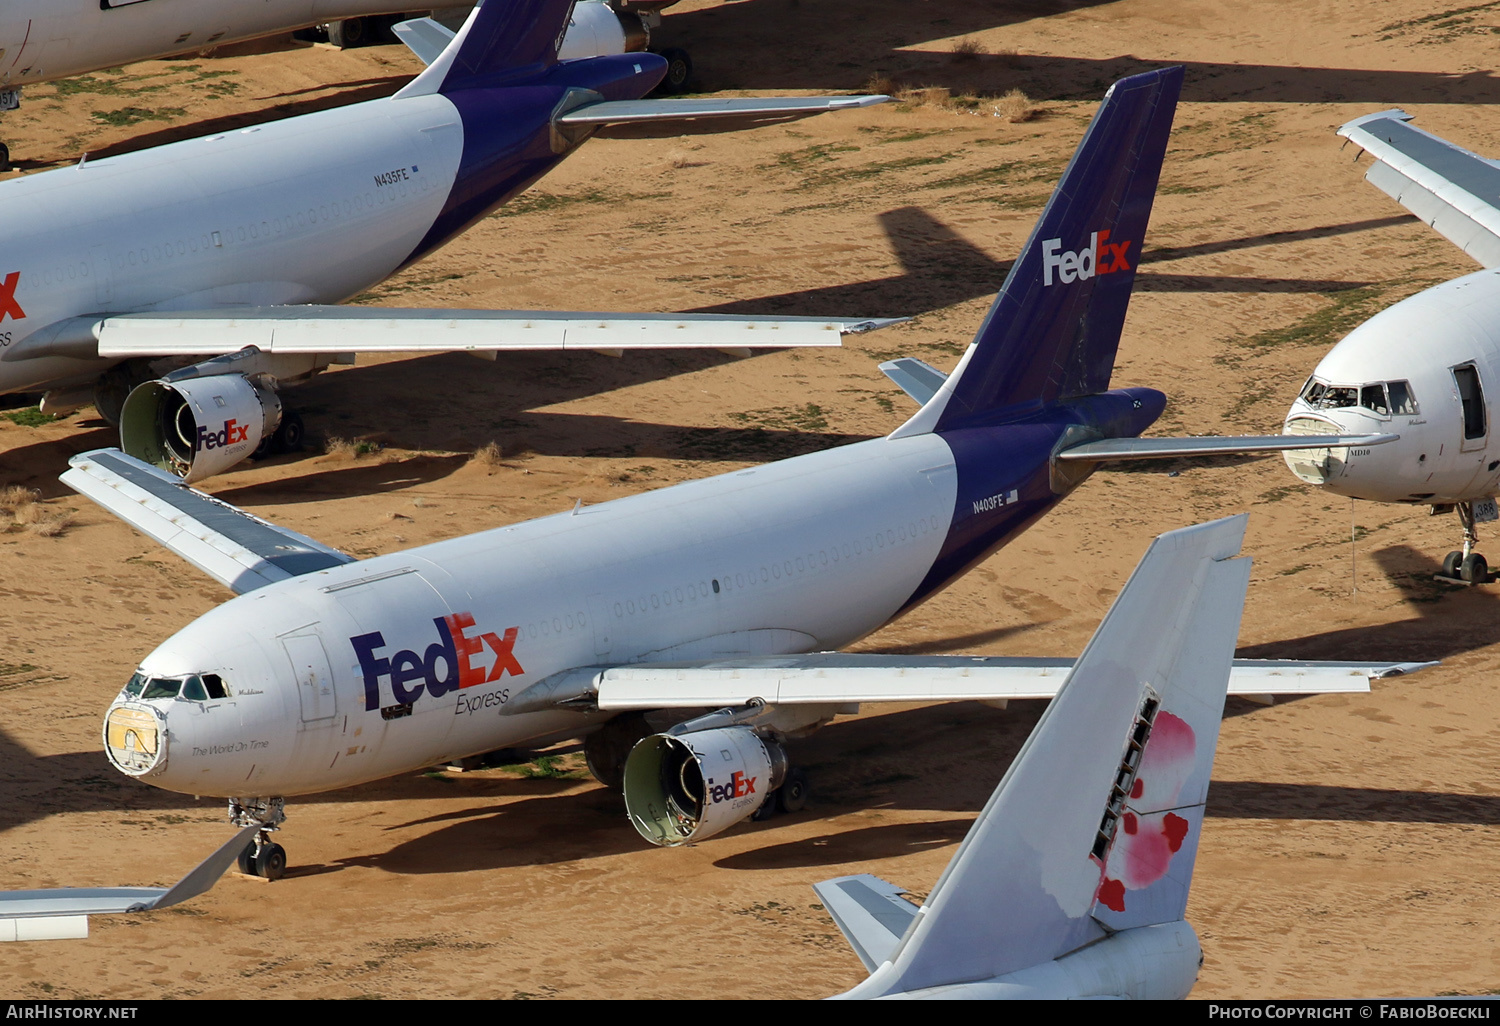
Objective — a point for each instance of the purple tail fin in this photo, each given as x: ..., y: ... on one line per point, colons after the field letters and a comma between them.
x: 1054, y: 329
x: 506, y: 41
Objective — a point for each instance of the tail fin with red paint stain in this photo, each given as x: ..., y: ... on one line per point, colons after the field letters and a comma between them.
x: 1074, y: 879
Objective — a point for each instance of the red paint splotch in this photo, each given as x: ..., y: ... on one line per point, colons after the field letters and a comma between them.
x: 1174, y: 828
x: 1167, y: 763
x: 1112, y: 894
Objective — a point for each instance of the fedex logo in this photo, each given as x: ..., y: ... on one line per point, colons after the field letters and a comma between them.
x: 1100, y: 256
x: 231, y: 433
x: 738, y: 787
x: 446, y: 665
x: 8, y: 305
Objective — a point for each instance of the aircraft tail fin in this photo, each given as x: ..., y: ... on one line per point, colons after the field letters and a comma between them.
x: 1054, y: 328
x: 1094, y: 828
x: 501, y: 43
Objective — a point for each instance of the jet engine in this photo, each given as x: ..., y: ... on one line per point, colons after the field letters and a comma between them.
x: 196, y: 427
x: 686, y: 787
x: 597, y: 29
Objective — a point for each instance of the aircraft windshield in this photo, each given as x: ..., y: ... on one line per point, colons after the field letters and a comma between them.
x: 194, y: 688
x: 1382, y: 398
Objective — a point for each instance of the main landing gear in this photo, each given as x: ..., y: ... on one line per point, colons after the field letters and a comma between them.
x: 1466, y: 566
x: 791, y: 796
x: 261, y: 857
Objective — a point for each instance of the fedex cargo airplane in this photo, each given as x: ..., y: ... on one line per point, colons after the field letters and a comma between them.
x: 1427, y: 368
x: 726, y: 594
x: 44, y: 40
x: 179, y: 288
x: 1073, y: 882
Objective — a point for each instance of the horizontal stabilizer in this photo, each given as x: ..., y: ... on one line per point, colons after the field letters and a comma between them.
x: 622, y: 112
x: 1166, y: 448
x: 917, y: 378
x: 1445, y: 185
x: 233, y: 547
x: 869, y: 912
x: 844, y: 678
x: 345, y: 329
x: 62, y: 913
x: 424, y: 37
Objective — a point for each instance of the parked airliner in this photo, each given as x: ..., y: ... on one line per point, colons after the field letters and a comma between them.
x: 1428, y: 367
x: 216, y: 260
x: 726, y: 593
x: 1073, y: 882
x: 44, y: 40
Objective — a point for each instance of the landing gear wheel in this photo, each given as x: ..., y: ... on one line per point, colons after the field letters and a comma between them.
x: 606, y: 749
x: 348, y: 34
x: 5, y: 158
x: 265, y: 448
x: 1451, y: 562
x: 679, y: 71
x: 1474, y: 569
x: 247, y: 860
x: 270, y: 861
x: 290, y: 434
x: 768, y: 808
x: 792, y: 795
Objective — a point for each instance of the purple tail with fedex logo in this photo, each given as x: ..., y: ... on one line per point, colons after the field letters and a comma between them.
x: 1053, y: 330
x: 1073, y: 881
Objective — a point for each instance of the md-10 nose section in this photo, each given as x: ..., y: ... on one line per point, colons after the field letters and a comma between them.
x: 135, y: 739
x: 1319, y: 465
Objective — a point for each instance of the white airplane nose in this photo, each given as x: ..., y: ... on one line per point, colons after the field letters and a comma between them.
x: 135, y: 739
x: 1316, y: 466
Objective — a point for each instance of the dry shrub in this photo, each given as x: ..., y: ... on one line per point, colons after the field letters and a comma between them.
x: 1008, y: 56
x: 1015, y: 107
x: 41, y: 521
x: 350, y: 448
x: 14, y: 498
x: 880, y: 84
x: 935, y: 96
x: 967, y: 49
x: 486, y: 456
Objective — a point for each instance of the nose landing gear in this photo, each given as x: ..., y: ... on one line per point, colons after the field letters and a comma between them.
x: 261, y: 857
x: 1466, y: 566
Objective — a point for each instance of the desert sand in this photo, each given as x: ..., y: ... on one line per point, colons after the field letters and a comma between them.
x: 1347, y: 846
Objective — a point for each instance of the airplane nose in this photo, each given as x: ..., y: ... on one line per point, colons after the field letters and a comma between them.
x: 135, y: 739
x: 1316, y: 466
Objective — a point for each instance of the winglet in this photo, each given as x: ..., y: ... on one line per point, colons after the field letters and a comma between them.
x: 1053, y: 330
x: 1094, y: 828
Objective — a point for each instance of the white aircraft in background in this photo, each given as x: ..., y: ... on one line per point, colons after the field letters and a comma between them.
x: 217, y: 260
x: 727, y: 593
x: 1073, y: 882
x: 1422, y: 367
x: 45, y: 40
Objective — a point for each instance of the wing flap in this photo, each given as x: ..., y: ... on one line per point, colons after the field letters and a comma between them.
x: 232, y: 546
x: 869, y: 912
x: 622, y: 112
x: 1166, y: 448
x: 842, y: 678
x: 1445, y: 185
x: 342, y: 329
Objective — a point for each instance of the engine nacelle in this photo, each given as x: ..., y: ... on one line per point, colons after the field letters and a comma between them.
x: 598, y: 31
x: 197, y: 427
x: 682, y: 788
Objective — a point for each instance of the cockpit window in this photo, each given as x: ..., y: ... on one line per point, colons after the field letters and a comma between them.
x: 161, y: 687
x: 137, y: 682
x: 1336, y: 397
x: 1372, y: 397
x: 214, y: 684
x: 1402, y: 401
x: 192, y: 689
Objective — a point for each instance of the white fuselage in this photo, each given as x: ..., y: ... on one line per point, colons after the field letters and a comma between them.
x: 1411, y: 370
x: 807, y: 554
x: 42, y: 40
x: 309, y: 210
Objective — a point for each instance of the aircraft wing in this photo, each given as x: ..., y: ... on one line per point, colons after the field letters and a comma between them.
x: 1110, y: 449
x: 621, y: 112
x: 233, y: 547
x: 840, y: 678
x: 62, y: 913
x: 355, y: 329
x: 1445, y: 185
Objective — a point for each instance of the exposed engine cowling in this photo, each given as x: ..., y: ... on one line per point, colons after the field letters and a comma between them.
x: 686, y: 787
x: 196, y: 427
